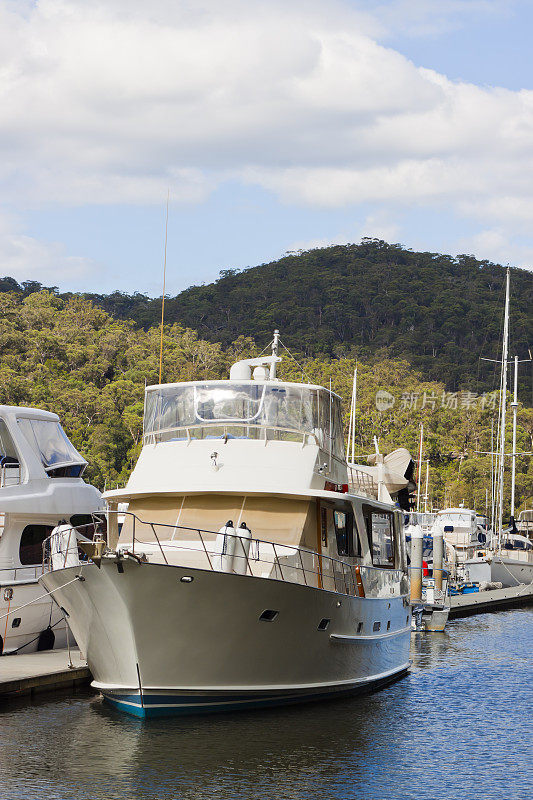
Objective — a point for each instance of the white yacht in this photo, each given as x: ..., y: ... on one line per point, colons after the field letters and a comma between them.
x: 253, y: 566
x: 463, y: 532
x: 40, y: 486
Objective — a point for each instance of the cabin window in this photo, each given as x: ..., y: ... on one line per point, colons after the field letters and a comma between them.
x: 31, y: 543
x: 8, y: 451
x: 348, y: 543
x: 58, y: 455
x: 380, y: 529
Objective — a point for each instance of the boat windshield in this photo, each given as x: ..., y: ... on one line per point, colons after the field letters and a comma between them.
x: 246, y: 410
x: 52, y: 445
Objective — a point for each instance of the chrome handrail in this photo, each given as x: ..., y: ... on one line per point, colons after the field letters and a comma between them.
x: 149, y: 438
x: 14, y: 570
x: 344, y: 576
x: 17, y: 479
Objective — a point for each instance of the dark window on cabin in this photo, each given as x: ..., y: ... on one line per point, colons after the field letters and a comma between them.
x: 70, y: 471
x: 324, y: 526
x: 31, y: 543
x: 380, y: 530
x: 348, y: 543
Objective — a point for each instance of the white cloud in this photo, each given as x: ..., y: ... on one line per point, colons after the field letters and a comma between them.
x: 111, y: 102
x: 25, y: 258
x: 499, y: 245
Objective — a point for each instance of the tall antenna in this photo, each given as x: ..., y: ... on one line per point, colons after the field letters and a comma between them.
x: 163, y: 298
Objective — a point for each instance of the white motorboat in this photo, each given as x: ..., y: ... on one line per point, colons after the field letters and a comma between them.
x: 41, y: 485
x: 253, y: 566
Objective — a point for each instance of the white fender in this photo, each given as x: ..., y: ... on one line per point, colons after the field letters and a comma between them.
x: 225, y: 544
x: 242, y: 550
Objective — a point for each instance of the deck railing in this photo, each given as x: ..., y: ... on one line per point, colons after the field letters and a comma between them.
x: 10, y: 474
x: 361, y: 483
x: 177, y: 545
x: 14, y: 574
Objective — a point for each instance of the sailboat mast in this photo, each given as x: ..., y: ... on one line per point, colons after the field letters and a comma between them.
x: 514, y: 406
x: 492, y: 479
x: 503, y: 408
x: 419, y: 467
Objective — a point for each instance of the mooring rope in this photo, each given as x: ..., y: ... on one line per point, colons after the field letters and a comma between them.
x: 41, y: 597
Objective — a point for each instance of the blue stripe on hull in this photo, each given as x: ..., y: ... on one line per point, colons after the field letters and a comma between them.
x: 160, y: 705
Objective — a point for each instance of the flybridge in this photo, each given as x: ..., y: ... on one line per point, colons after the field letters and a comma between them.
x: 245, y: 407
x: 246, y: 410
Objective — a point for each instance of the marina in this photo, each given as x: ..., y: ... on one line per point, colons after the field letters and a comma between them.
x: 266, y: 400
x: 461, y: 707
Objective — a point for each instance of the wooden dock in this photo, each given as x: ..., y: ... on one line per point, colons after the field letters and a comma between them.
x: 463, y: 605
x: 34, y: 673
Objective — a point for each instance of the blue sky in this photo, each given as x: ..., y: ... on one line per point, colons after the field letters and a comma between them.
x: 276, y: 126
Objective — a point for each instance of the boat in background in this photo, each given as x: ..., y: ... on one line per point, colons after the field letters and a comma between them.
x: 254, y: 566
x: 508, y: 557
x: 41, y: 485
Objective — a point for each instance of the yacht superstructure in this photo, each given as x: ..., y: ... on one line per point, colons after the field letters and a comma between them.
x: 40, y: 486
x: 253, y: 566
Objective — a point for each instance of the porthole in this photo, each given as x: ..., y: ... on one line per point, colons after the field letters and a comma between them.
x: 323, y: 624
x: 269, y: 615
x: 360, y: 627
x: 376, y: 627
x: 388, y: 625
x: 16, y: 622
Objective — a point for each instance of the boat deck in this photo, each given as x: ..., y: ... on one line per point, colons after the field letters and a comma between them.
x: 48, y: 671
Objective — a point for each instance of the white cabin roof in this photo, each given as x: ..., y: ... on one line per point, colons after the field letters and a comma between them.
x: 242, y: 383
x: 26, y: 411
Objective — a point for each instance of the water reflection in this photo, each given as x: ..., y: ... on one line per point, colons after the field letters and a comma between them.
x: 369, y: 747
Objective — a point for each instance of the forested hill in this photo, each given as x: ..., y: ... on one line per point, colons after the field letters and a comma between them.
x: 372, y: 301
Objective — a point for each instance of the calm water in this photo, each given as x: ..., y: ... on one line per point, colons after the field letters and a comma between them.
x: 459, y: 726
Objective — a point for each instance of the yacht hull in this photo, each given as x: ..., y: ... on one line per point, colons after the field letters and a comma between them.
x: 512, y: 571
x: 163, y: 640
x: 26, y: 618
